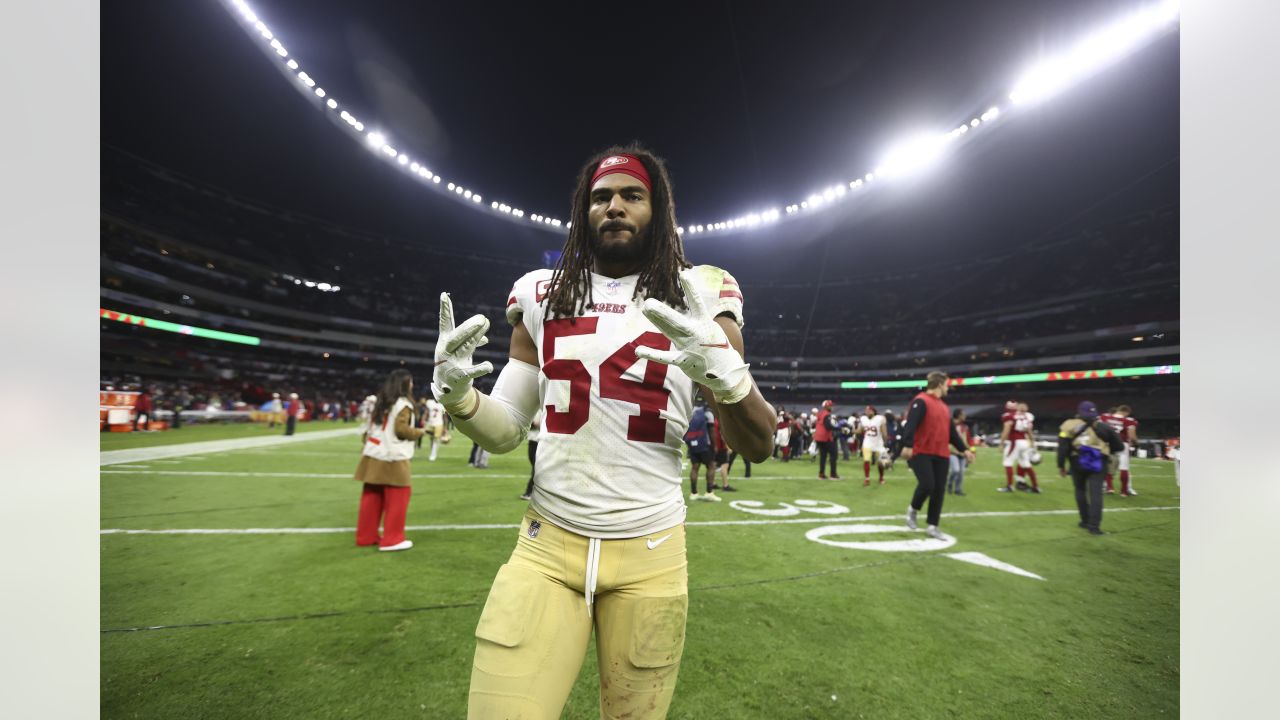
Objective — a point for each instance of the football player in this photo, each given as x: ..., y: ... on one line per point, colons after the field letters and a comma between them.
x: 1122, y: 421
x: 1017, y: 440
x: 613, y: 343
x: 871, y: 426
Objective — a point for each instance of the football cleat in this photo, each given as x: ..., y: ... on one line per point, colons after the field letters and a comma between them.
x: 933, y: 532
x: 711, y: 497
x: 1006, y: 488
x: 403, y: 545
x: 911, y: 518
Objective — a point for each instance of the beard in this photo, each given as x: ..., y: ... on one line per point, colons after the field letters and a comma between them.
x: 632, y: 251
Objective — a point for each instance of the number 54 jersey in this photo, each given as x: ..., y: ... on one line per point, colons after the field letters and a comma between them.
x: 608, y: 462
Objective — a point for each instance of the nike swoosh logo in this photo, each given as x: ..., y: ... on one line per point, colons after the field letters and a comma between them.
x: 655, y: 543
x: 720, y: 345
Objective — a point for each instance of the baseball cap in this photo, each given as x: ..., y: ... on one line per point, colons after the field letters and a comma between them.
x: 1087, y: 410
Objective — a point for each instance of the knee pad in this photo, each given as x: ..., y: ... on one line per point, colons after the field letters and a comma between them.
x: 641, y: 683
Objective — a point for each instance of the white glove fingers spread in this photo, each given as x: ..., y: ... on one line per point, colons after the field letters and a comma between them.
x: 666, y: 357
x: 671, y: 323
x: 476, y: 371
x: 691, y: 297
x: 446, y: 315
x: 467, y: 333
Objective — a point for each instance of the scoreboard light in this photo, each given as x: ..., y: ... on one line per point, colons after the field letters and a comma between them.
x: 167, y: 326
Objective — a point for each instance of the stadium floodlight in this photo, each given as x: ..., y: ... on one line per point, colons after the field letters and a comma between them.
x: 414, y: 166
x: 916, y: 153
x: 403, y: 159
x: 333, y: 104
x: 390, y: 151
x: 494, y: 205
x: 1096, y: 50
x: 1090, y: 54
x: 323, y: 286
x: 337, y: 288
x: 451, y: 186
x: 475, y: 198
x: 309, y: 283
x: 466, y: 194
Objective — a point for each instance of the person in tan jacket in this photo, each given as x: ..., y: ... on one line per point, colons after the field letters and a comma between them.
x: 389, y: 440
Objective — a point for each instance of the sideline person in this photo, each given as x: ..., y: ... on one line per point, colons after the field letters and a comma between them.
x: 384, y: 468
x: 925, y: 436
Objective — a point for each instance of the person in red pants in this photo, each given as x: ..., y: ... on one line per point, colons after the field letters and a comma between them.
x: 389, y: 441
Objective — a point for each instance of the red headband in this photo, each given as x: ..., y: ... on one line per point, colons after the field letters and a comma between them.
x: 629, y: 164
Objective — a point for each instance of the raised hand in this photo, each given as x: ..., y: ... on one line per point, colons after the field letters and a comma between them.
x: 454, y: 370
x: 700, y: 347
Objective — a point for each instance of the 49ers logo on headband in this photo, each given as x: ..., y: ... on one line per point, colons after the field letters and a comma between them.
x: 626, y: 164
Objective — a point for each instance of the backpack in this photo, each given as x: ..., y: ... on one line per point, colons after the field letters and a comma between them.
x: 1089, y: 458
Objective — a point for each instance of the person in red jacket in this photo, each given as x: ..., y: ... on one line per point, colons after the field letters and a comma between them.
x: 925, y: 437
x: 144, y: 408
x: 291, y: 411
x: 824, y: 434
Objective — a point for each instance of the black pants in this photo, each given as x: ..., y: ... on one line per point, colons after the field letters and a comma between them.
x: 931, y: 483
x: 734, y: 456
x: 827, y: 450
x: 533, y: 454
x: 1088, y: 496
x: 290, y: 425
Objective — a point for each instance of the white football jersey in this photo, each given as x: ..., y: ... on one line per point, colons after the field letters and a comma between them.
x: 1024, y: 422
x: 873, y: 431
x: 608, y: 462
x: 435, y: 413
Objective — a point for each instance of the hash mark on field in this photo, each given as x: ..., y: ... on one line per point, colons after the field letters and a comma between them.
x: 515, y: 526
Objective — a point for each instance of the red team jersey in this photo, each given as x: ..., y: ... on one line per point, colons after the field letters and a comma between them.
x: 1121, y: 425
x: 1011, y: 417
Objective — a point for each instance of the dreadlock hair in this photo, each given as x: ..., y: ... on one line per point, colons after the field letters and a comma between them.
x: 395, y: 387
x: 569, y: 292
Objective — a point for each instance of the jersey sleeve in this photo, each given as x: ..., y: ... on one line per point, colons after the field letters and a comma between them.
x: 526, y: 293
x: 719, y: 291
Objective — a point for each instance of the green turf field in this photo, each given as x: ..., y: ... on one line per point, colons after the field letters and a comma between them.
x: 214, y: 431
x: 293, y: 625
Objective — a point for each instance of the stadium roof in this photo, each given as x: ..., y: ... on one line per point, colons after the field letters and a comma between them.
x: 752, y: 103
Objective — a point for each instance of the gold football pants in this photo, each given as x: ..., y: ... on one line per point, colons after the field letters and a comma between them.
x: 533, y: 632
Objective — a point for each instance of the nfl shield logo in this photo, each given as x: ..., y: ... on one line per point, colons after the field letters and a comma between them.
x: 534, y: 527
x: 612, y: 287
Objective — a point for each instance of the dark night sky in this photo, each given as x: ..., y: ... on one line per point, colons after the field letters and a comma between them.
x: 753, y: 104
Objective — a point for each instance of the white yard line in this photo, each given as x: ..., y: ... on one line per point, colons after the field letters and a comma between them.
x: 227, y: 473
x: 514, y: 526
x: 119, y: 457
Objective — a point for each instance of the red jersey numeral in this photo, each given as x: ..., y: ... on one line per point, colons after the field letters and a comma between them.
x: 571, y: 420
x: 650, y: 393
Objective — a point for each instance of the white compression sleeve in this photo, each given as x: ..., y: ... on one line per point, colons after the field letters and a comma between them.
x: 501, y: 420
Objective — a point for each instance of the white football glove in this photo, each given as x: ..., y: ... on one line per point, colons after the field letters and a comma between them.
x: 451, y: 382
x: 701, y: 349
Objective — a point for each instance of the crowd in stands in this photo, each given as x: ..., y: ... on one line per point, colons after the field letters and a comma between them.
x: 168, y: 239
